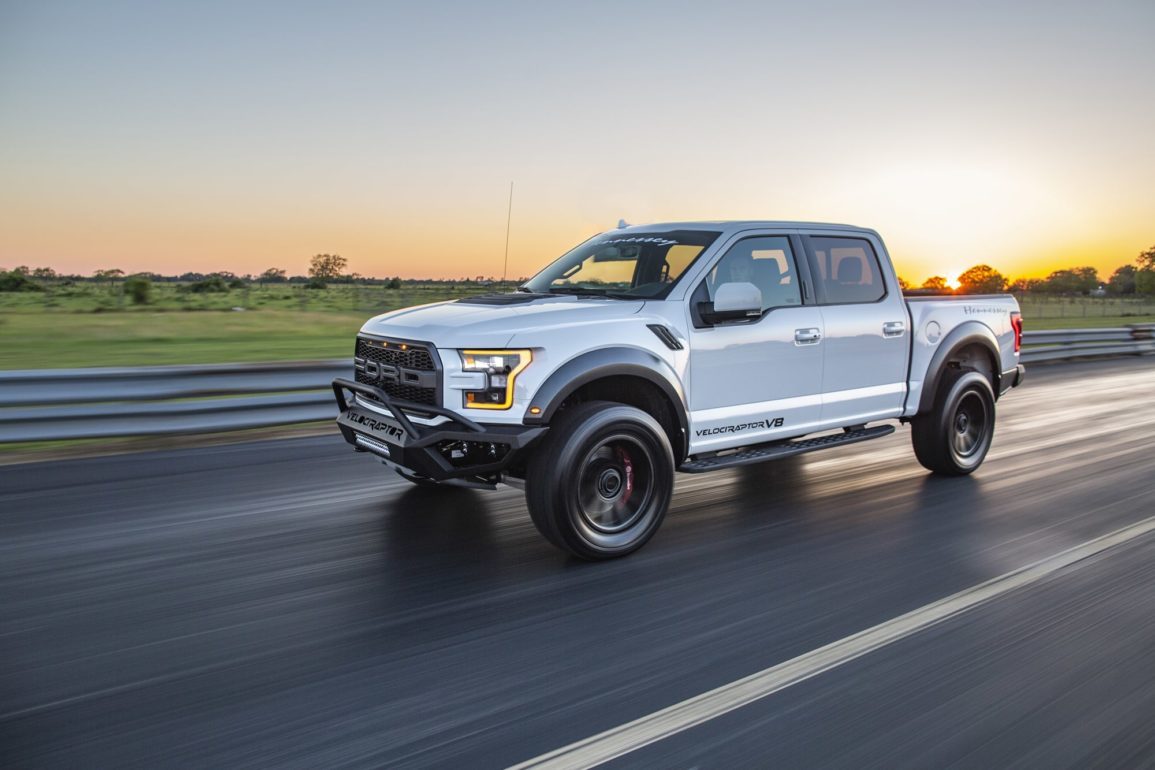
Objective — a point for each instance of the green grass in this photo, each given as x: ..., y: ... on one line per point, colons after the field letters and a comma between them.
x: 90, y: 325
x: 100, y: 298
x: 52, y: 340
x: 1082, y: 311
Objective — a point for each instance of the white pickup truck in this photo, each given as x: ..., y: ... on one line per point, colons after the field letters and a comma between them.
x: 676, y: 347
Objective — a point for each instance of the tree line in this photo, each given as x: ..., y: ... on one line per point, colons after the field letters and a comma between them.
x: 325, y: 269
x: 1138, y: 278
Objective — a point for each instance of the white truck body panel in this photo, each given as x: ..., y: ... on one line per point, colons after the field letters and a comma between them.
x: 870, y: 361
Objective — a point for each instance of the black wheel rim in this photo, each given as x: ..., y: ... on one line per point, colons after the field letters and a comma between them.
x: 616, y: 484
x: 970, y: 424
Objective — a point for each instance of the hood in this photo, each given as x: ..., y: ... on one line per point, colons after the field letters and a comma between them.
x: 467, y: 324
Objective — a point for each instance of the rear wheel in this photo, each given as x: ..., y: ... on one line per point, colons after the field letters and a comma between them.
x: 600, y: 484
x: 954, y: 437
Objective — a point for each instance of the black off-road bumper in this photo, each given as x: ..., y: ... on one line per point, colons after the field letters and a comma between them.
x: 458, y: 449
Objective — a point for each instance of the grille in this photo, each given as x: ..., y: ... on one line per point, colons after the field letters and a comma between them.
x: 415, y: 358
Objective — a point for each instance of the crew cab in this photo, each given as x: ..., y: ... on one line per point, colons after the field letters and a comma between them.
x: 687, y: 347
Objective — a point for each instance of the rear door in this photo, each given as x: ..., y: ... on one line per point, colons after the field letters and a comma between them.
x: 866, y: 346
x: 757, y: 379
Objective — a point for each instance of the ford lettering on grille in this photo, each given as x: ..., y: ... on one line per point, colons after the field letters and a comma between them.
x: 377, y: 372
x: 403, y: 370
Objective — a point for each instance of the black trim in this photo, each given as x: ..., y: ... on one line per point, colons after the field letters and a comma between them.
x: 966, y: 333
x: 665, y: 335
x: 1012, y: 378
x: 776, y: 450
x: 420, y: 451
x: 510, y: 298
x: 600, y: 364
x: 802, y: 268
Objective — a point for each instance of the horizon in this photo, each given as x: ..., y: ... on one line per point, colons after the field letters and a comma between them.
x: 175, y: 272
x: 210, y: 138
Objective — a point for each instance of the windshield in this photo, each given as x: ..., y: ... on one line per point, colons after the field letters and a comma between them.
x: 643, y: 265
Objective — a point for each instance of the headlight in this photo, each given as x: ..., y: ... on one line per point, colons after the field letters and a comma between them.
x: 501, y: 368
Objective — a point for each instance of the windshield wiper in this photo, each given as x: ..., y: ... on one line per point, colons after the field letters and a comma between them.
x: 587, y: 291
x: 581, y: 291
x: 525, y: 289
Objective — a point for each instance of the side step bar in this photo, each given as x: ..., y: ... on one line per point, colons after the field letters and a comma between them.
x: 776, y: 450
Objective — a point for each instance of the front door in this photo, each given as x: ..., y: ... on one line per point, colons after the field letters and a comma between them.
x: 759, y: 379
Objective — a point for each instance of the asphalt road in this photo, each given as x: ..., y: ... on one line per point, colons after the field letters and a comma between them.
x: 290, y: 604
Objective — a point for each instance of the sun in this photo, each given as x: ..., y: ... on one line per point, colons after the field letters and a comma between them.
x: 952, y: 280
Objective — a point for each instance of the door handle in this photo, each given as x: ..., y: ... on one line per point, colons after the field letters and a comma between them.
x: 807, y: 336
x: 893, y: 329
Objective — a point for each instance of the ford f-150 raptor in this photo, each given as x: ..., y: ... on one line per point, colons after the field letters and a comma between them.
x: 676, y: 347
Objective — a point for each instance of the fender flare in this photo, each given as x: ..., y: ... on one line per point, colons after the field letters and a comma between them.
x: 599, y: 364
x: 966, y: 333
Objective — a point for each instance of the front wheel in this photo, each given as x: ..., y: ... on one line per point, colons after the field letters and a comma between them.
x: 954, y: 437
x: 601, y: 482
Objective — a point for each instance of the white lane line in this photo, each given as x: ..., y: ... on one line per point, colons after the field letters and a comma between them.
x: 654, y: 727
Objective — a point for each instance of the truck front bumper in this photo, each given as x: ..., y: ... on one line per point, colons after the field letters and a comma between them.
x: 456, y: 449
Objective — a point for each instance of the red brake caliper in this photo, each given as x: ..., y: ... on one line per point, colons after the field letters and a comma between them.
x: 628, y: 464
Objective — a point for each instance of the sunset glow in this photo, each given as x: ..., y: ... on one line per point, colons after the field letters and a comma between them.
x: 202, y: 137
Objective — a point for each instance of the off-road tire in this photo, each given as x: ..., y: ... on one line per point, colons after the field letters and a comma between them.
x: 953, y: 438
x: 600, y: 483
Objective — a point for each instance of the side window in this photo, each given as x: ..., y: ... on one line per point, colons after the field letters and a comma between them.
x: 848, y: 270
x: 766, y: 262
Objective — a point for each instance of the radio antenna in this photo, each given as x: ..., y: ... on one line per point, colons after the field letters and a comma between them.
x: 508, y: 219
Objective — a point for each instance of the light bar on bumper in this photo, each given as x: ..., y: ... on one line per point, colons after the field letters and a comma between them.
x: 500, y: 368
x: 458, y: 448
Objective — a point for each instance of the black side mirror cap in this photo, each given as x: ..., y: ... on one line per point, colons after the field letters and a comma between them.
x: 711, y: 316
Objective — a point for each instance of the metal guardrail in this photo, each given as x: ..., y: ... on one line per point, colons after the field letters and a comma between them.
x: 58, y: 404
x: 1062, y: 344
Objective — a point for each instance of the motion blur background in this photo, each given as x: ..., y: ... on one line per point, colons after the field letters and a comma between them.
x: 323, y: 163
x: 222, y: 183
x: 173, y: 137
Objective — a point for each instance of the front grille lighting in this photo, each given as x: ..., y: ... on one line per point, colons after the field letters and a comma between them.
x: 403, y: 370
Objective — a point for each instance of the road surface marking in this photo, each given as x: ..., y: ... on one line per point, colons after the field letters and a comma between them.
x: 654, y: 727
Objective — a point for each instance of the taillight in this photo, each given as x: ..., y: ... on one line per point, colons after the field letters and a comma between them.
x: 1017, y: 325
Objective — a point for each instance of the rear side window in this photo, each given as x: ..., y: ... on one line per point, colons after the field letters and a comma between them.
x: 847, y: 269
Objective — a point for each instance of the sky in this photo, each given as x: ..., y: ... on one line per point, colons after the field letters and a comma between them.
x: 173, y: 137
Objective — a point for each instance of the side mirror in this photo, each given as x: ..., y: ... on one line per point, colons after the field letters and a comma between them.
x: 733, y: 302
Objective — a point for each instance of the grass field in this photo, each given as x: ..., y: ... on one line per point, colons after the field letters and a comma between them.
x: 101, y: 298
x: 52, y: 340
x: 92, y: 326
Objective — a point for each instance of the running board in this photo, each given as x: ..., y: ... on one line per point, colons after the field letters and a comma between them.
x: 779, y: 449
